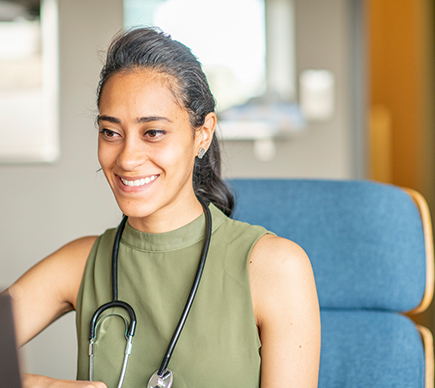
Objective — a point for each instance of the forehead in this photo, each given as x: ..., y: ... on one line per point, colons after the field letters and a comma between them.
x: 139, y: 89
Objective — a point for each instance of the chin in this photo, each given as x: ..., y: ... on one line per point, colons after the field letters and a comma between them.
x: 132, y: 211
x: 140, y: 208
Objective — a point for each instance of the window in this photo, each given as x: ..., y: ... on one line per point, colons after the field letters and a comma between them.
x: 227, y: 36
x: 28, y: 82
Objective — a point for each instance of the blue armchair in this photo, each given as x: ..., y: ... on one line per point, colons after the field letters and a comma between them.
x: 371, y: 250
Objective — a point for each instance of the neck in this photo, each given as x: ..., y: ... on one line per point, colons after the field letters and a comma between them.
x: 170, y: 217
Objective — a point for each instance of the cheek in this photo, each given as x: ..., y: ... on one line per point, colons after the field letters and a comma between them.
x: 101, y: 155
x: 104, y: 156
x: 176, y: 160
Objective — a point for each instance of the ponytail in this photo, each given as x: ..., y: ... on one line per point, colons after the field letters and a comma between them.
x: 207, y: 182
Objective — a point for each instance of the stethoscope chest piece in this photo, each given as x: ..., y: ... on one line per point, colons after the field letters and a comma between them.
x: 164, y: 381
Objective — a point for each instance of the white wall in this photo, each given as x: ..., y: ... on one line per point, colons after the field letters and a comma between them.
x: 323, y: 41
x: 44, y: 206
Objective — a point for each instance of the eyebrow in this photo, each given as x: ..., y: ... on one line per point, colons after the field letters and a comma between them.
x: 140, y: 120
x: 110, y: 119
x: 152, y: 118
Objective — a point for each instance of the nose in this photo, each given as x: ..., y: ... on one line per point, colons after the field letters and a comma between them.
x: 132, y: 155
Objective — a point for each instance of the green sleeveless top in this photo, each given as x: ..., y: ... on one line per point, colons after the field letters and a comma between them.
x: 219, y: 345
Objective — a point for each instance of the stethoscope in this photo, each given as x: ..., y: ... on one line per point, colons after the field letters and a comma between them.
x: 163, y: 377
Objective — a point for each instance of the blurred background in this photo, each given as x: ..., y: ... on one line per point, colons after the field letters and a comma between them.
x: 337, y: 89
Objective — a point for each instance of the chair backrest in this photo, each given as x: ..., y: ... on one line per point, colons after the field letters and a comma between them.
x: 369, y: 253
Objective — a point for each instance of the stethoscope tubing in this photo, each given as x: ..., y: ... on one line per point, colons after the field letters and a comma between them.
x: 133, y: 322
x: 115, y: 252
x: 192, y: 294
x: 115, y: 302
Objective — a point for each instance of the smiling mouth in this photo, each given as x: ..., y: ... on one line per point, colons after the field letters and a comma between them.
x: 138, y: 182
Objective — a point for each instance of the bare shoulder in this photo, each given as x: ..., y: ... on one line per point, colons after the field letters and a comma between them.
x: 50, y: 288
x: 277, y: 257
x: 279, y: 268
x: 76, y: 250
x: 274, y: 250
x: 286, y: 309
x: 64, y: 268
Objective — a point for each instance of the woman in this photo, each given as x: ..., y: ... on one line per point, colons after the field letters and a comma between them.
x: 255, y: 318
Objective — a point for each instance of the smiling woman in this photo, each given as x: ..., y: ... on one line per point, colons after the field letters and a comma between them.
x: 145, y: 135
x: 255, y: 315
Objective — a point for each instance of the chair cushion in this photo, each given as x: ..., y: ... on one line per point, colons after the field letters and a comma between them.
x: 364, y: 239
x: 370, y: 349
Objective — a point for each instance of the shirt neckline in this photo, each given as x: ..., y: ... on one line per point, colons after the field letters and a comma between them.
x: 180, y: 238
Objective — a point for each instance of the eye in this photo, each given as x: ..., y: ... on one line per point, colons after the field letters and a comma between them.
x: 154, y: 134
x: 108, y: 134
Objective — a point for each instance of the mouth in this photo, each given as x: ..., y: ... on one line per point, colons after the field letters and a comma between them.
x: 138, y: 182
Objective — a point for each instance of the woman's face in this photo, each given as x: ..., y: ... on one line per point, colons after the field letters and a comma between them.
x: 146, y: 146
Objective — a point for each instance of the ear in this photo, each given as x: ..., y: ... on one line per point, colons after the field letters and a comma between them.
x: 205, y: 133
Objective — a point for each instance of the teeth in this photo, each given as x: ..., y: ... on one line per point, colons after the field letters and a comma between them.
x: 139, y: 182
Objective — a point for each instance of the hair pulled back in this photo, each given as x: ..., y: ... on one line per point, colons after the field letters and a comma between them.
x: 150, y: 48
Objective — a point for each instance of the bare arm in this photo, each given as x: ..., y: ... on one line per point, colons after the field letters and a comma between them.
x: 44, y: 293
x: 35, y: 381
x: 287, y: 312
x: 49, y: 289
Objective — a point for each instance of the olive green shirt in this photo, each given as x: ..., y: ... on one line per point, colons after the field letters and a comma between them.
x: 219, y: 345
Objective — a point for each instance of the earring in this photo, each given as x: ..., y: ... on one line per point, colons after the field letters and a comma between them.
x: 201, y: 153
